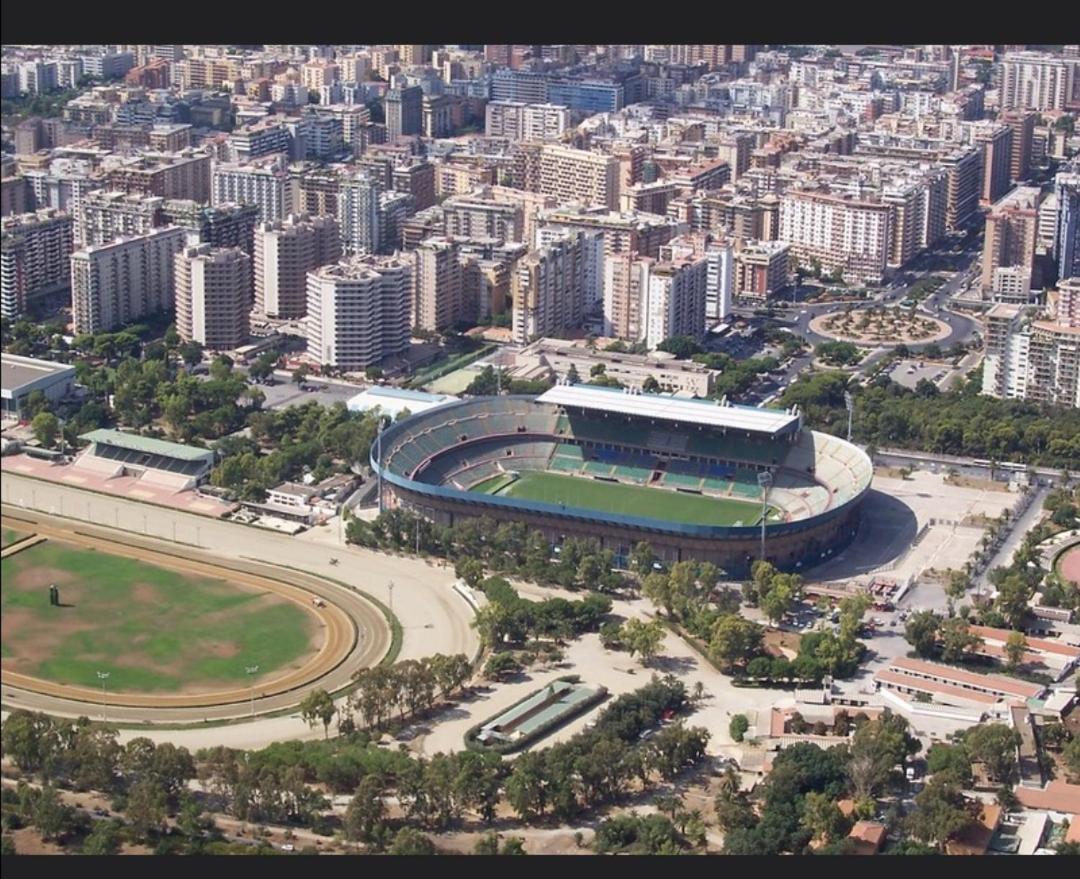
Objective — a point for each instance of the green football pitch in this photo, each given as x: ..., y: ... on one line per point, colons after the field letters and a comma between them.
x: 150, y: 628
x: 628, y: 500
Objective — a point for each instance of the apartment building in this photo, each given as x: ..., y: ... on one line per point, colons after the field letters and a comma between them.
x: 266, y: 184
x: 263, y: 138
x: 223, y: 225
x: 762, y: 269
x: 675, y: 301
x: 995, y: 142
x: 1067, y: 235
x: 108, y: 214
x: 578, y: 175
x: 1065, y: 302
x: 963, y: 168
x: 1037, y: 81
x: 404, y: 112
x: 460, y: 178
x: 35, y: 257
x: 285, y: 251
x: 416, y: 179
x: 115, y: 284
x: 548, y: 287
x: 1009, y: 242
x: 529, y: 122
x: 358, y: 311
x: 1005, y: 360
x: 358, y: 214
x: 212, y: 304
x: 438, y: 296
x: 1022, y: 126
x: 621, y: 231
x: 843, y: 235
x: 477, y: 216
x: 170, y: 175
x: 1054, y: 363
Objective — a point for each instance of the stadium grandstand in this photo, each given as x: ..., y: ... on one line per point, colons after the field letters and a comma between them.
x: 621, y: 467
x: 157, y: 462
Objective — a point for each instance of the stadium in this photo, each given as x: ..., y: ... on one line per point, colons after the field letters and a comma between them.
x: 621, y: 467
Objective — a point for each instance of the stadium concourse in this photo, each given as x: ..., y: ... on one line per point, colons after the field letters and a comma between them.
x: 691, y: 477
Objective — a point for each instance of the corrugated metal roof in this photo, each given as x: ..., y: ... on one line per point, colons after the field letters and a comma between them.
x: 146, y: 444
x: 680, y: 409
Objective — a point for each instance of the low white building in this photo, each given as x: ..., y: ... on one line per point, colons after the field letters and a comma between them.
x: 394, y: 401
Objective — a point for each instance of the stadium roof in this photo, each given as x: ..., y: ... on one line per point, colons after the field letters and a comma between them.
x: 146, y: 444
x: 681, y: 409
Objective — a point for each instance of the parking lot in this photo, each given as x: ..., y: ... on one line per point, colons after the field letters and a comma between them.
x: 284, y: 392
x: 910, y: 372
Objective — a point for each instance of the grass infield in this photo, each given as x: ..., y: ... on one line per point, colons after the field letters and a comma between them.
x: 630, y: 500
x: 151, y: 629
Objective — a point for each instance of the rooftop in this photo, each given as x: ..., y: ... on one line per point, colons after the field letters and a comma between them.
x: 1001, y: 683
x: 707, y: 413
x: 16, y: 371
x: 146, y: 444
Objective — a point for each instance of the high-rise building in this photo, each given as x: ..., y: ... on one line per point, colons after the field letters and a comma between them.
x: 395, y: 208
x: 530, y: 122
x: 626, y: 277
x: 1067, y: 236
x: 438, y: 302
x: 35, y: 256
x: 114, y: 284
x: 223, y: 225
x: 108, y: 214
x: 212, y: 303
x: 578, y: 175
x: 995, y: 141
x: 285, y: 251
x: 404, y: 112
x: 548, y: 287
x: 473, y: 216
x: 1036, y: 81
x: 266, y: 183
x: 358, y: 311
x: 675, y: 300
x: 358, y: 214
x: 171, y: 175
x: 418, y: 180
x: 762, y: 269
x: 263, y: 138
x: 1009, y: 243
x: 963, y: 169
x: 1022, y: 125
x: 1066, y: 302
x: 1031, y: 359
x: 720, y: 280
x: 842, y: 235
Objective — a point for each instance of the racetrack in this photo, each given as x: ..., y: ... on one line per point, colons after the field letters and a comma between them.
x: 434, y: 619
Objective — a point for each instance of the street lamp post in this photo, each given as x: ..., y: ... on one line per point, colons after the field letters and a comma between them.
x: 764, y: 481
x: 252, y: 670
x: 849, y: 402
x: 390, y: 587
x: 103, y: 676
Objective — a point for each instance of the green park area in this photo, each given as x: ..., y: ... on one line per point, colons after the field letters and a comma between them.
x: 149, y: 628
x: 10, y: 536
x: 626, y: 500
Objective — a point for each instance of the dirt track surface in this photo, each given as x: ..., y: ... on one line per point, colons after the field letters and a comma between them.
x: 356, y: 634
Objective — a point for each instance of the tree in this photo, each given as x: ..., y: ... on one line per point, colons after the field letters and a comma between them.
x: 412, y: 842
x: 49, y: 815
x: 642, y: 559
x: 7, y: 846
x: 650, y: 385
x: 921, y: 632
x: 318, y: 706
x: 366, y: 811
x: 734, y: 639
x: 738, y: 727
x: 1015, y: 648
x: 994, y: 745
x: 191, y: 353
x: 146, y: 808
x: 500, y: 665
x: 951, y: 763
x: 471, y: 571
x: 940, y: 813
x: 877, y: 746
x: 823, y: 818
x: 957, y: 639
x: 104, y: 839
x: 1013, y: 595
x: 1071, y: 755
x: 572, y: 376
x: 45, y: 426
x: 300, y: 375
x: 643, y: 638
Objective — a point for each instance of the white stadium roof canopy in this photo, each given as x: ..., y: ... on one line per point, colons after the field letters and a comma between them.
x: 706, y: 413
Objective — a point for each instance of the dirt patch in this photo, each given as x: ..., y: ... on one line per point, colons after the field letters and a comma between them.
x: 41, y: 577
x: 779, y: 643
x: 1070, y: 565
x: 42, y: 646
x: 143, y: 593
x: 223, y: 651
x: 972, y: 482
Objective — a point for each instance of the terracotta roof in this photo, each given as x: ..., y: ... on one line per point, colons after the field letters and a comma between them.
x: 893, y: 677
x: 1073, y: 835
x: 1007, y: 685
x: 868, y: 837
x: 1046, y: 645
x: 975, y: 838
x: 1058, y: 796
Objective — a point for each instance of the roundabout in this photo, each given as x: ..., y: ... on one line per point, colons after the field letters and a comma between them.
x: 879, y: 326
x: 176, y: 633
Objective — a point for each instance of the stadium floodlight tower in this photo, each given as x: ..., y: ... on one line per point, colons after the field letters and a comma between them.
x: 764, y: 481
x: 251, y: 671
x: 103, y: 676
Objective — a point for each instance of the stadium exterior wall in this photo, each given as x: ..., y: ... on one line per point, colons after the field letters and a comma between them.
x: 789, y: 545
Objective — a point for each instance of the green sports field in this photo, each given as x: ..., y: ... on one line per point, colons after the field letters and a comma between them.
x: 630, y: 500
x: 11, y: 535
x: 152, y: 629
